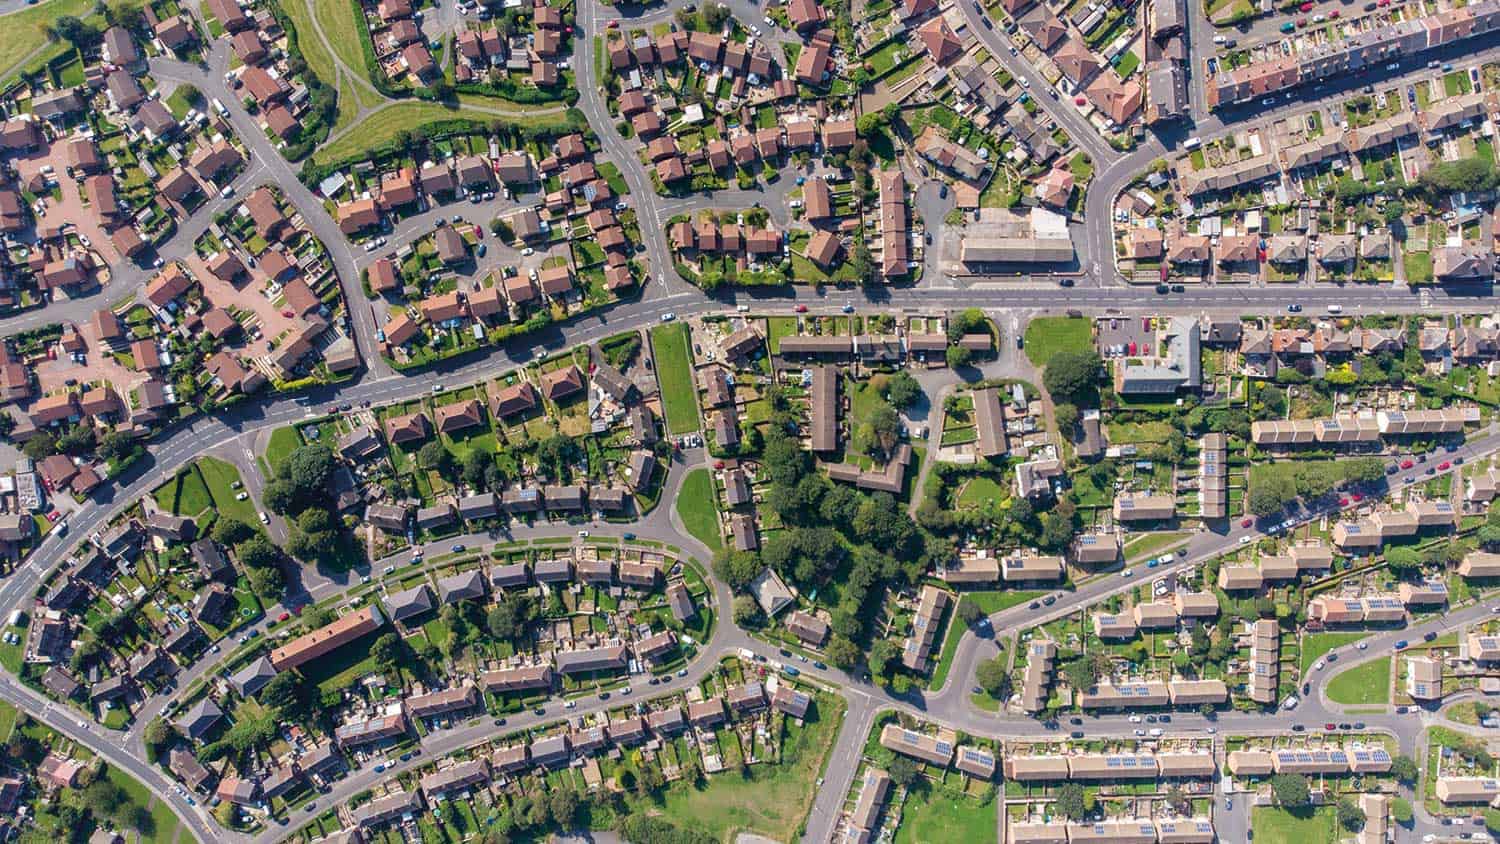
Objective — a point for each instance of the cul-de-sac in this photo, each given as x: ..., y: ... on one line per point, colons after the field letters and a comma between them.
x: 748, y: 421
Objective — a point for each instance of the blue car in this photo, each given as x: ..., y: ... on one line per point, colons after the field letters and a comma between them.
x: 790, y: 671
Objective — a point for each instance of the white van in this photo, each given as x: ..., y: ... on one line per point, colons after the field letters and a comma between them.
x: 1192, y: 143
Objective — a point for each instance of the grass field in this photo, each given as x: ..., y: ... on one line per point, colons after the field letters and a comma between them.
x: 1368, y: 683
x: 674, y: 372
x: 1278, y: 826
x: 695, y: 506
x: 184, y: 495
x: 1046, y: 336
x: 336, y: 19
x: 320, y: 60
x: 283, y: 442
x: 1151, y: 543
x: 220, y: 476
x: 380, y: 127
x: 978, y: 490
x: 23, y: 32
x: 772, y: 800
x: 931, y: 815
x: 1314, y: 645
x: 163, y: 822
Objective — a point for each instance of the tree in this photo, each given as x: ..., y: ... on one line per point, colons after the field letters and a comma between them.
x: 746, y: 612
x: 957, y: 356
x: 843, y: 653
x: 903, y: 771
x: 883, y: 652
x: 993, y: 678
x: 1067, y: 416
x: 476, y: 468
x: 116, y: 446
x: 267, y: 583
x: 435, y: 457
x: 1071, y: 375
x: 1291, y: 790
x: 41, y: 446
x: 969, y: 612
x: 1073, y: 802
x: 1404, y: 768
x: 1401, y: 810
x: 1080, y: 674
x: 389, y: 652
x: 1350, y: 816
x: 229, y: 531
x: 564, y: 806
x: 257, y: 552
x: 289, y: 697
x: 1267, y: 499
x: 736, y: 568
x: 901, y: 390
x: 157, y: 733
x: 308, y: 469
x: 74, y: 31
x: 510, y: 617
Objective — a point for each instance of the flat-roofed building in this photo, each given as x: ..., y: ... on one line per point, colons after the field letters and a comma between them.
x: 1133, y: 507
x: 931, y: 605
x: 1359, y: 535
x: 325, y: 639
x: 1113, y: 832
x: 1483, y: 647
x: 1111, y: 766
x: 1028, y: 566
x: 1027, y: 768
x: 937, y: 750
x: 1196, y: 604
x: 1036, y: 833
x: 1452, y: 790
x: 1197, y: 692
x: 1265, y: 647
x: 1480, y: 564
x: 1424, y: 677
x: 1118, y: 695
x: 1114, y: 626
x: 1096, y: 548
x: 1154, y: 615
x: 1195, y: 765
x: 872, y: 796
x: 1310, y: 761
x: 1251, y: 763
x: 1186, y: 831
x: 1368, y: 759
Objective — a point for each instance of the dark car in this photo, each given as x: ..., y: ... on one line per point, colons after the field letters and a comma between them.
x: 499, y: 722
x: 1428, y: 637
x: 1050, y: 600
x: 943, y: 191
x: 1065, y: 282
x: 1077, y: 722
x: 1165, y: 719
x: 1345, y: 725
x: 1035, y: 605
x: 1178, y: 288
x: 784, y: 652
x: 1359, y: 725
x: 1162, y: 288
x: 1076, y: 734
x: 1297, y: 728
x: 820, y: 666
x: 540, y: 710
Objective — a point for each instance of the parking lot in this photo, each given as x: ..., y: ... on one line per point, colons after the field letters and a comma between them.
x: 1116, y: 332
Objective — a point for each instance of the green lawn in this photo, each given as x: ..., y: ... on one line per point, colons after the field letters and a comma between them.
x: 992, y: 602
x: 184, y: 495
x: 769, y: 799
x: 220, y: 476
x: 931, y: 814
x: 1046, y: 336
x: 674, y: 373
x: 283, y: 442
x: 23, y: 32
x: 978, y: 490
x: 1368, y: 683
x: 696, y: 508
x: 163, y: 822
x: 1278, y: 826
x: 1314, y: 645
x: 1151, y: 543
x: 380, y: 127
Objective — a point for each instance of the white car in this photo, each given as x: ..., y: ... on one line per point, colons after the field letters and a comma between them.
x: 668, y: 316
x: 244, y: 496
x: 1135, y: 719
x: 528, y: 252
x: 584, y: 534
x: 744, y: 309
x: 264, y: 519
x: 1362, y: 645
x: 1245, y: 540
x: 1318, y: 666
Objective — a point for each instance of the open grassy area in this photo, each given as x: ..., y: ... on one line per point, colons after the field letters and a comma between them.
x: 674, y: 372
x: 1278, y: 826
x: 380, y: 127
x: 336, y: 19
x: 1046, y: 336
x: 1314, y: 645
x: 320, y: 60
x: 980, y: 489
x: 184, y: 495
x: 1368, y: 683
x: 220, y: 477
x: 695, y: 506
x: 163, y: 822
x: 1150, y: 543
x: 932, y: 815
x: 283, y: 442
x: 24, y: 31
x: 772, y: 799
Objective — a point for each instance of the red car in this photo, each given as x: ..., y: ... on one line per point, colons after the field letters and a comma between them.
x: 1302, y: 21
x: 1359, y: 496
x: 1407, y: 464
x: 615, y: 24
x: 1305, y: 7
x: 1247, y: 523
x: 1330, y: 726
x: 801, y: 309
x: 1333, y: 15
x: 1080, y: 101
x: 718, y: 464
x: 1443, y: 466
x: 284, y: 616
x: 1343, y: 502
